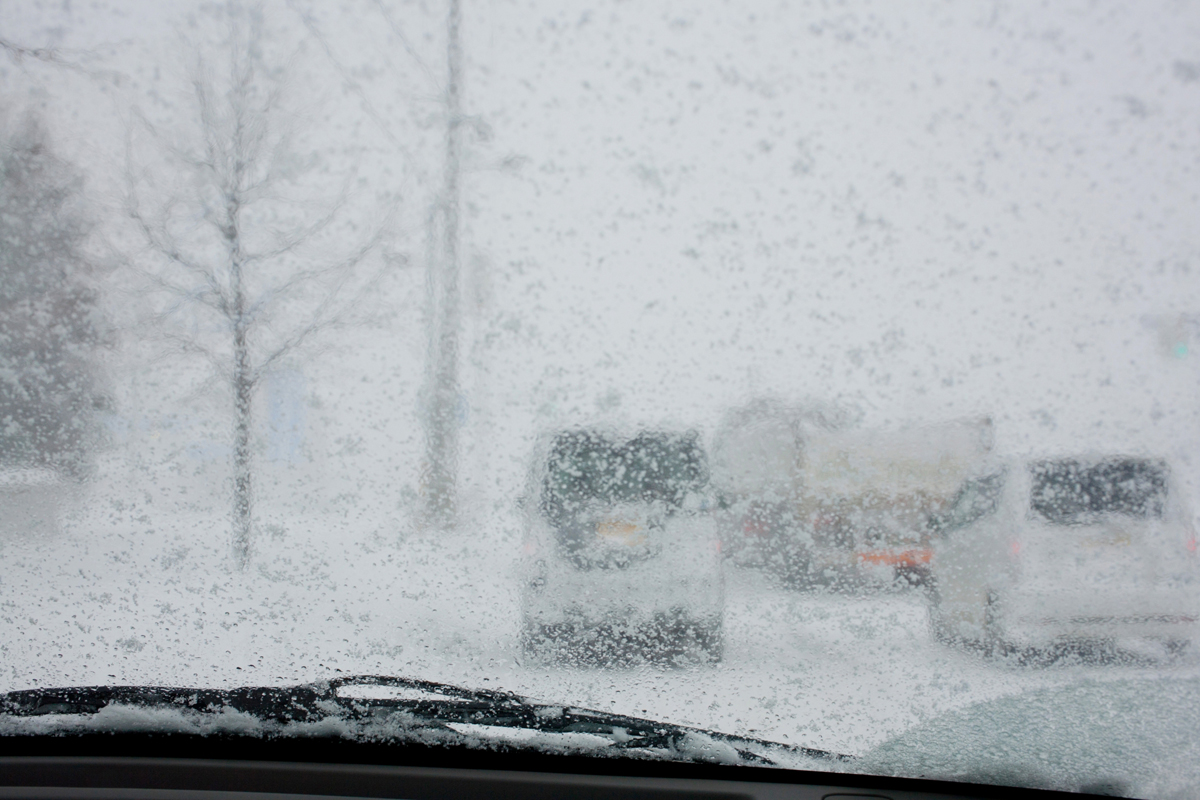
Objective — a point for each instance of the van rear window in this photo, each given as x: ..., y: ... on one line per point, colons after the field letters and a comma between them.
x: 586, y: 467
x: 1073, y: 492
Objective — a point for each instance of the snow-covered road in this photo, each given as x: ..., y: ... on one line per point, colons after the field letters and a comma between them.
x: 126, y: 596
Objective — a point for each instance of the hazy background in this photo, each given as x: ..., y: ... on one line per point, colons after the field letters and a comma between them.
x: 967, y: 209
x: 920, y: 211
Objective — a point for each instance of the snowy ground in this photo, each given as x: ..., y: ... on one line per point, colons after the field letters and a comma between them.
x: 123, y: 595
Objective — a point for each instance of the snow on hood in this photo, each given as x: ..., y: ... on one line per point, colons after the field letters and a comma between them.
x: 1107, y: 737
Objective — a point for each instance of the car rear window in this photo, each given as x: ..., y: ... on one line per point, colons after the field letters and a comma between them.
x: 1071, y: 492
x: 586, y: 469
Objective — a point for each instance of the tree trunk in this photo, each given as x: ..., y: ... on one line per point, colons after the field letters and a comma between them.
x: 441, y: 458
x: 243, y: 394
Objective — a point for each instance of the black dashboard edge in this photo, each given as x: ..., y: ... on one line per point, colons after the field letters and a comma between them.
x: 330, y: 767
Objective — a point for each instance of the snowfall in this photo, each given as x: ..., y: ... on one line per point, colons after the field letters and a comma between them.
x: 120, y: 595
x: 923, y: 214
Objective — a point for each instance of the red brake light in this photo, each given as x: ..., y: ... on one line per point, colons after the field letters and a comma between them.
x: 755, y: 524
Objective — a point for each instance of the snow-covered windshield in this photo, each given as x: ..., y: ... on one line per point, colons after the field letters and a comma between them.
x: 809, y: 372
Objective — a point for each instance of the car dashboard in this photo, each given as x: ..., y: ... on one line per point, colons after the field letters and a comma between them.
x: 180, y: 767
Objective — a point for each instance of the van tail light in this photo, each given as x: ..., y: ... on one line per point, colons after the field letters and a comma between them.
x: 1189, y: 542
x: 1014, y: 548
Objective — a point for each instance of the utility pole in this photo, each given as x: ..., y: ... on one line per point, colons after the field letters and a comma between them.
x: 442, y: 397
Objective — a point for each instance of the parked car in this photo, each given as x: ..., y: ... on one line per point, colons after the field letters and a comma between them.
x: 31, y: 500
x: 815, y: 501
x: 758, y: 460
x: 1060, y: 551
x: 622, y: 556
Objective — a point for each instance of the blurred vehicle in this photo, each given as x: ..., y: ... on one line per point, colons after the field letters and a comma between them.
x: 622, y: 556
x: 31, y: 500
x: 880, y: 487
x: 813, y: 501
x: 758, y: 462
x: 1067, y: 550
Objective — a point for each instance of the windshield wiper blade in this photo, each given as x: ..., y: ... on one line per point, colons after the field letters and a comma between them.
x: 427, y: 702
x: 279, y: 704
x: 504, y: 709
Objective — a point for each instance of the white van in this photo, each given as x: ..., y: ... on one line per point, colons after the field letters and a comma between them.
x: 622, y: 559
x: 1065, y: 550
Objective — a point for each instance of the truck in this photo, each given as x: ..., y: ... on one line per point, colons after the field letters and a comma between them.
x: 812, y: 498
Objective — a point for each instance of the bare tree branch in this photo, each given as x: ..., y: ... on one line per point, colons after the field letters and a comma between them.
x: 341, y: 267
x: 323, y: 318
x: 204, y: 296
x: 353, y: 86
x: 305, y: 234
x: 179, y: 344
x: 58, y: 58
x: 46, y: 55
x: 408, y: 48
x: 159, y: 241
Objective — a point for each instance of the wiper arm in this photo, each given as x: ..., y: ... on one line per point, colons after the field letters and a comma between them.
x: 503, y: 709
x: 303, y: 703
x: 432, y: 704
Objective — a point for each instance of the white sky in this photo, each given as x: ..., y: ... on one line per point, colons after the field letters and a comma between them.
x: 928, y: 211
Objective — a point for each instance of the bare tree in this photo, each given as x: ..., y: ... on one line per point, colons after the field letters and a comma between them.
x: 220, y: 250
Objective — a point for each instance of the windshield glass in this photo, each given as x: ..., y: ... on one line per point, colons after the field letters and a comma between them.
x: 816, y: 373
